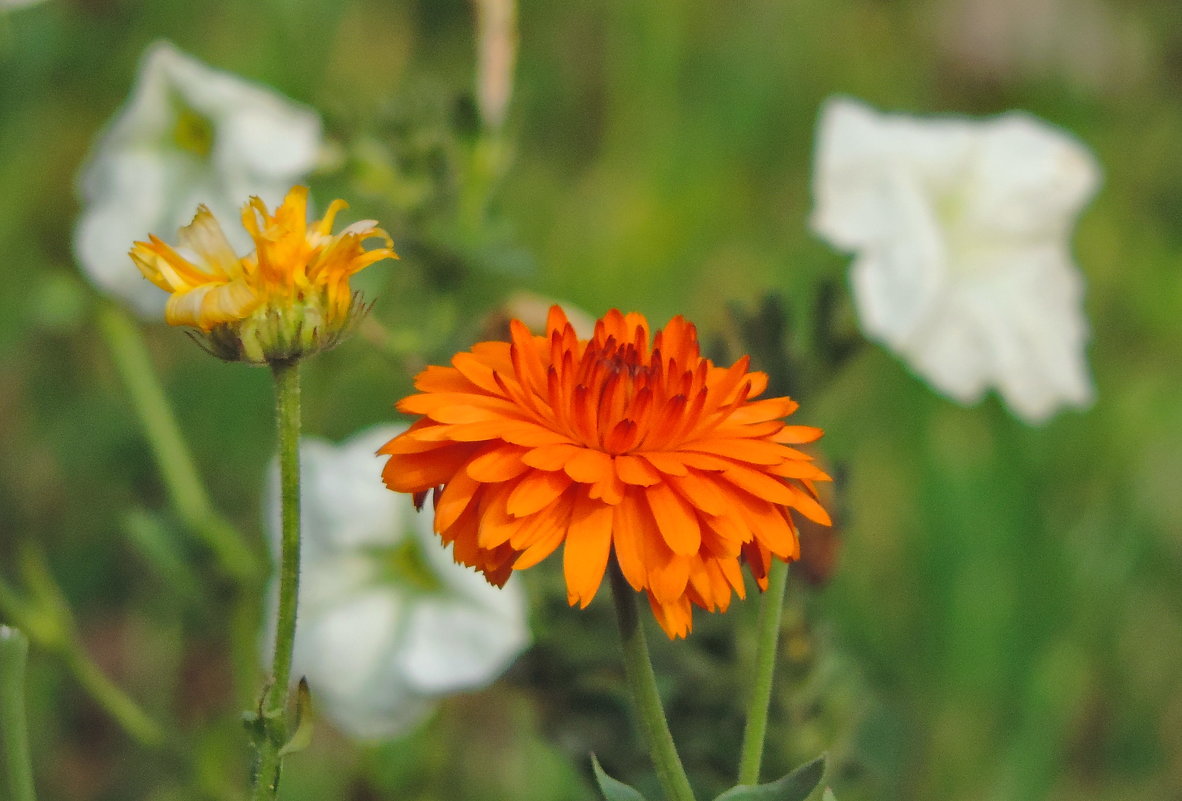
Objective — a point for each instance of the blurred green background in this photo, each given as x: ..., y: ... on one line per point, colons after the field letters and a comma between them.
x: 1005, y: 617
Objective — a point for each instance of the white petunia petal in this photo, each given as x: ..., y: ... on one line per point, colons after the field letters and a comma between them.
x: 857, y: 148
x: 343, y: 651
x: 1028, y: 179
x: 897, y: 280
x: 961, y: 232
x: 479, y: 644
x: 1034, y: 324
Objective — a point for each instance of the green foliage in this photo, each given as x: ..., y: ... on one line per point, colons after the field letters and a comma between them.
x: 613, y: 789
x: 795, y: 786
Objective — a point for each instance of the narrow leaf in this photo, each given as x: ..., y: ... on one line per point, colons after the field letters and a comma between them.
x: 796, y: 786
x: 302, y: 737
x: 612, y: 789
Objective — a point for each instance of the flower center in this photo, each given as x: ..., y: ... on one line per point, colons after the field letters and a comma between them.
x: 406, y: 565
x: 193, y: 132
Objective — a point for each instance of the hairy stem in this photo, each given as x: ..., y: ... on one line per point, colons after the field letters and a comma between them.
x: 768, y: 637
x: 643, y: 684
x: 274, y: 704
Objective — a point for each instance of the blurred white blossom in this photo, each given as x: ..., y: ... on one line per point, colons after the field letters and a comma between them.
x: 388, y: 623
x: 961, y: 233
x: 188, y: 134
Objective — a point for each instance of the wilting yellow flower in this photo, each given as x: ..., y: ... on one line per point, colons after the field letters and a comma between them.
x: 287, y: 298
x: 187, y: 134
x: 652, y: 456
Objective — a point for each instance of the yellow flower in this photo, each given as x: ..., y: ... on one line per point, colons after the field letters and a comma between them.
x: 614, y: 448
x: 288, y: 298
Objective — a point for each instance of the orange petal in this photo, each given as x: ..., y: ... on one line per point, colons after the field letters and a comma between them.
x: 755, y: 451
x: 808, y: 506
x: 634, y: 470
x: 542, y: 525
x: 669, y: 463
x: 442, y: 379
x: 759, y: 484
x: 675, y: 617
x: 793, y: 468
x: 514, y: 431
x: 667, y: 573
x: 608, y: 488
x: 415, y: 472
x: 700, y: 490
x: 769, y: 524
x: 762, y: 410
x: 628, y: 528
x: 496, y: 525
x: 536, y: 490
x: 798, y: 435
x: 549, y: 540
x: 588, y: 543
x: 550, y: 457
x: 454, y: 499
x: 477, y: 371
x: 499, y: 463
x: 587, y: 465
x: 676, y: 519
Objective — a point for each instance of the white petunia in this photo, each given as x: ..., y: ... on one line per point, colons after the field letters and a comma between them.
x: 961, y: 233
x: 388, y: 623
x: 188, y: 134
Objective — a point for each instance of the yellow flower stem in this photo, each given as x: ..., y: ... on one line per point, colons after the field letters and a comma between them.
x: 14, y: 649
x: 275, y: 702
x: 184, y: 486
x: 767, y: 642
x: 643, y: 683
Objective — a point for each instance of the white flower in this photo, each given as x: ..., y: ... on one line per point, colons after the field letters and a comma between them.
x: 188, y: 134
x: 388, y: 623
x: 961, y: 232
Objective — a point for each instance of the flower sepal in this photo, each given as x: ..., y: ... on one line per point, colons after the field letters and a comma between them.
x: 282, y: 335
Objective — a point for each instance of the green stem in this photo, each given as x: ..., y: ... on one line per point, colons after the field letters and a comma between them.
x: 275, y: 701
x: 177, y: 470
x: 643, y: 684
x: 14, y: 649
x: 117, y: 703
x: 45, y: 614
x: 767, y: 646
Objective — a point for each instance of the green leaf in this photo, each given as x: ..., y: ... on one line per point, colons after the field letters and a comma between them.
x: 302, y: 737
x: 828, y: 796
x: 613, y: 790
x: 796, y: 786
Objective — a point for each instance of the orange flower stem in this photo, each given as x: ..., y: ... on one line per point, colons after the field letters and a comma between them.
x: 643, y: 684
x: 768, y: 637
x: 273, y: 712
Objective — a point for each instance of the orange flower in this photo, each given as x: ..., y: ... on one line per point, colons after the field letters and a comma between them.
x: 606, y: 447
x: 290, y: 296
